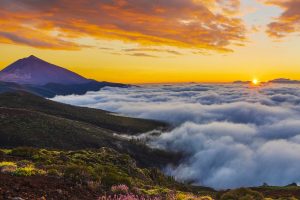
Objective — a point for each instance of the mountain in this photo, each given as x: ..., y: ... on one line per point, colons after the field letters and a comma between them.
x: 241, y: 82
x: 284, y: 81
x: 34, y: 71
x: 39, y: 77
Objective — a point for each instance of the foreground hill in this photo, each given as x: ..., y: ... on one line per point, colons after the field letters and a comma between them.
x: 100, y: 118
x: 29, y: 120
x: 28, y: 173
x: 84, y: 174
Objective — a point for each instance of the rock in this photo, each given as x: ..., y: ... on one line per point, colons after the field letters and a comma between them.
x: 17, y: 198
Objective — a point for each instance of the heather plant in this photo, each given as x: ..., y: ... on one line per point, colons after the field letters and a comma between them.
x: 128, y: 197
x: 120, y: 189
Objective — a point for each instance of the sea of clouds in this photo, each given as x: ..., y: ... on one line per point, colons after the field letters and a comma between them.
x: 233, y: 135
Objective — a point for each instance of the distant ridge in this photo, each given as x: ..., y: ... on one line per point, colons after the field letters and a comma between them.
x: 284, y: 81
x: 278, y: 80
x: 35, y: 71
x: 39, y: 77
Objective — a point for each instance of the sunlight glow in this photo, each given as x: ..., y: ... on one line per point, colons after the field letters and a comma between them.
x: 255, y: 82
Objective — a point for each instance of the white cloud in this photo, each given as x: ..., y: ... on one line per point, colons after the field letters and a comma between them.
x: 232, y: 135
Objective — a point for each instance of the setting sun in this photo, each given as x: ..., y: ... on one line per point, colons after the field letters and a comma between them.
x: 255, y: 82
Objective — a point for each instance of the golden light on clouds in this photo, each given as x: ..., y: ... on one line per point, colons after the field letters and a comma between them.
x: 156, y: 41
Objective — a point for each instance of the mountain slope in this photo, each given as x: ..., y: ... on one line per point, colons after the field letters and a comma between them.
x: 28, y: 120
x: 32, y: 70
x: 100, y: 118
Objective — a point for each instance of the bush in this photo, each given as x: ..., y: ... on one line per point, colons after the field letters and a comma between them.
x: 6, y: 164
x: 120, y: 189
x: 25, y: 171
x: 26, y: 152
x: 28, y: 171
x: 53, y: 172
x: 111, y: 179
x: 24, y: 163
x: 242, y: 194
x: 80, y: 174
x: 8, y: 167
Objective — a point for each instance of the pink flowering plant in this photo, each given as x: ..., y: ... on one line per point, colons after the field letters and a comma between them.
x: 120, y: 189
x: 128, y: 197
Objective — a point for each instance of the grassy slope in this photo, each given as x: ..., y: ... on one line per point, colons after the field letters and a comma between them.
x: 96, y: 117
x: 28, y: 120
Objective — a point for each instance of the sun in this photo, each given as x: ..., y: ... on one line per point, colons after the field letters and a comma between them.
x: 255, y: 82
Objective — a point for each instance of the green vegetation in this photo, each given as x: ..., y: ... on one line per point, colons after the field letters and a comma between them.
x: 99, y: 170
x: 28, y: 120
x: 242, y: 194
x: 47, y: 144
x: 99, y: 118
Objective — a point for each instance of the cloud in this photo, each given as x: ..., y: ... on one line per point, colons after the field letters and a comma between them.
x: 142, y: 55
x: 288, y: 22
x: 153, y: 50
x: 232, y: 135
x: 208, y: 24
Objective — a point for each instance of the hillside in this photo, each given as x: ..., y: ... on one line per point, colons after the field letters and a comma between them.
x: 29, y: 120
x: 100, y: 118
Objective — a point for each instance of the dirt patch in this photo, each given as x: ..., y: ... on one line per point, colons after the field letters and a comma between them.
x: 41, y: 188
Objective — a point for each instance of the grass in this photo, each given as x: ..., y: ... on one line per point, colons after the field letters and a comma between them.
x: 99, y: 118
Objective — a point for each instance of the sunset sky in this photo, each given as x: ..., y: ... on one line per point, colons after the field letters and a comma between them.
x: 146, y: 41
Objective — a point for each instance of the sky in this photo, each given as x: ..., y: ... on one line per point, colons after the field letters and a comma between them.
x: 154, y: 41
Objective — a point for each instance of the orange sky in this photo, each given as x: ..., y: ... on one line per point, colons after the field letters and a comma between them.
x: 157, y: 41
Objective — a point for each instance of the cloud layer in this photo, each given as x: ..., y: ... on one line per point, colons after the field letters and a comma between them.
x: 233, y: 135
x: 54, y: 24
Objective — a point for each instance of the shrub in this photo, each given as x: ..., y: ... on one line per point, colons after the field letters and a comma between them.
x: 242, y: 194
x: 79, y: 174
x: 24, y: 163
x: 28, y: 171
x: 93, y: 185
x: 120, y: 189
x: 6, y: 164
x: 8, y: 167
x: 53, y: 172
x: 128, y: 197
x: 113, y: 178
x: 26, y: 152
